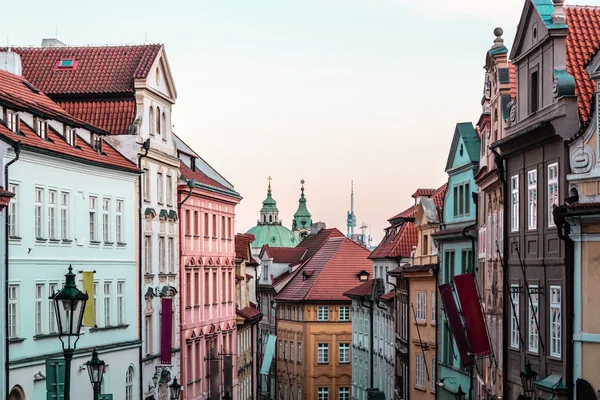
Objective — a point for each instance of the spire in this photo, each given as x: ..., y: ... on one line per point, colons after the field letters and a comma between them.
x: 269, y: 213
x: 351, y: 220
x: 302, y: 217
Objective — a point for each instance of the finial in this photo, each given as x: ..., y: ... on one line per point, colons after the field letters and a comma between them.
x: 498, y: 42
x: 269, y: 179
x: 302, y: 187
x: 558, y: 15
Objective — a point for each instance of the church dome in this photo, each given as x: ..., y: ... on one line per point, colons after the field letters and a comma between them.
x: 273, y: 235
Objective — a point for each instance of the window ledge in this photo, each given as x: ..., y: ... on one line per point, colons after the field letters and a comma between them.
x: 55, y: 241
x: 109, y: 243
x: 421, y: 322
x: 40, y: 240
x: 188, y: 307
x: 214, y: 237
x: 121, y: 244
x: 206, y: 237
x: 16, y: 340
x: 196, y: 305
x: 45, y: 336
x: 150, y: 357
x: 148, y: 275
x: 109, y: 328
x: 323, y: 363
x: 14, y: 238
x: 422, y: 389
x: 94, y: 242
x: 67, y: 241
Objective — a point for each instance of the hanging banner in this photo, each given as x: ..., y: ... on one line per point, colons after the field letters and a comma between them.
x: 456, y: 326
x: 472, y: 314
x: 215, y: 379
x: 268, y: 355
x: 166, y: 330
x: 89, y: 319
x: 228, y: 373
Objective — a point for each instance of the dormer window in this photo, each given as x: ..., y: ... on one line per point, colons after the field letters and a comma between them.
x: 12, y: 121
x: 70, y: 135
x: 97, y: 143
x: 193, y: 164
x: 41, y: 128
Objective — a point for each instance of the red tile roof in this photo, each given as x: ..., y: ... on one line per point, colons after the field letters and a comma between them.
x: 438, y: 195
x: 14, y: 93
x: 285, y: 255
x: 395, y: 245
x: 362, y: 290
x: 583, y: 206
x: 388, y: 296
x: 113, y: 116
x: 408, y: 213
x: 583, y: 40
x: 204, y: 180
x: 334, y: 270
x: 98, y: 70
x: 6, y: 193
x: 512, y: 72
x: 423, y: 192
x: 242, y: 245
x: 314, y: 242
x: 248, y: 313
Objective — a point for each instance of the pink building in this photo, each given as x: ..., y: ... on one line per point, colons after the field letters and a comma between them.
x: 207, y: 270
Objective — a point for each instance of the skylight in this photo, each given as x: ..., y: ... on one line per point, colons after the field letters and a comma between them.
x: 66, y: 63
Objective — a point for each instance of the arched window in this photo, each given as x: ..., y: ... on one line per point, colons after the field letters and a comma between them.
x: 157, y: 76
x: 164, y: 124
x: 16, y: 394
x: 264, y: 218
x: 151, y: 120
x: 158, y: 120
x: 270, y: 218
x: 129, y: 384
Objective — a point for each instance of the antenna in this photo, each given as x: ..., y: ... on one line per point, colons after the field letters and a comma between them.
x: 351, y: 220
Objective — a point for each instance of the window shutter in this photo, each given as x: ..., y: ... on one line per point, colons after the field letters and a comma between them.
x: 55, y: 379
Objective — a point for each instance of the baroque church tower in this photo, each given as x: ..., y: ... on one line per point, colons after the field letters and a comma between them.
x: 302, y: 221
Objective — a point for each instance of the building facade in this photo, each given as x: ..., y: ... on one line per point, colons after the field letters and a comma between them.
x: 499, y: 90
x: 456, y: 250
x: 209, y: 327
x: 79, y: 214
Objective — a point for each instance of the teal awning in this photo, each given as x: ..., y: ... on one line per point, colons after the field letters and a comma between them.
x: 552, y: 382
x: 268, y: 355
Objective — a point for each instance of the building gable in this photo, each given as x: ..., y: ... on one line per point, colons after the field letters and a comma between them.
x: 159, y: 77
x: 465, y: 146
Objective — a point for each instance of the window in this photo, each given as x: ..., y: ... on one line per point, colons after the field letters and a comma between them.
x: 171, y: 254
x: 158, y: 120
x: 161, y: 254
x: 433, y: 378
x: 323, y: 393
x: 107, y: 293
x: 293, y: 313
x: 52, y: 288
x: 147, y: 185
x: 514, y: 319
x: 39, y: 308
x: 106, y: 220
x: 160, y: 187
x: 344, y: 393
x: 323, y: 353
x: 299, y: 393
x: 344, y: 313
x: 70, y: 135
x: 13, y: 211
x: 292, y: 351
x: 52, y: 214
x: 494, y: 234
x: 462, y: 200
x: 129, y: 384
x: 433, y: 308
x: 164, y: 126
x: 323, y: 313
x: 97, y: 143
x: 287, y: 313
x: 300, y: 314
x: 148, y: 254
x: 148, y: 334
x: 12, y: 121
x: 552, y: 191
x: 13, y: 311
x: 285, y: 350
x: 532, y: 199
x: 420, y: 371
x: 206, y: 231
x: 534, y: 315
x: 514, y: 196
x: 214, y: 226
x: 280, y: 349
x: 467, y: 260
x: 169, y: 190
x: 299, y: 352
x: 93, y: 229
x: 119, y: 222
x: 425, y: 249
x: 449, y: 256
x: 64, y: 215
x: 120, y: 303
x: 501, y: 231
x: 344, y: 353
x: 151, y: 120
x: 95, y: 303
x: 534, y: 93
x: 41, y: 128
x: 39, y: 219
x: 555, y: 321
x: 420, y: 306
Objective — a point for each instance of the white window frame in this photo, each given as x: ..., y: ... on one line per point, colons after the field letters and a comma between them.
x: 13, y: 311
x: 533, y: 310
x: 148, y: 334
x: 106, y: 220
x: 64, y: 215
x: 129, y: 383
x: 160, y: 187
x: 147, y: 184
x: 52, y: 326
x: 421, y: 306
x: 344, y: 313
x: 488, y: 233
x: 501, y: 231
x: 419, y: 371
x: 41, y: 128
x: 70, y: 135
x: 93, y: 212
x: 323, y: 393
x: 96, y: 284
x: 40, y: 289
x: 120, y: 302
x: 107, y: 303
x: 169, y: 191
x: 12, y: 121
x: 285, y: 350
x: 553, y: 191
x: 344, y: 393
x: 300, y: 352
x: 119, y: 213
x: 39, y: 213
x: 291, y: 351
x: 514, y: 319
x: 555, y: 321
x: 494, y: 253
x: 323, y: 353
x: 323, y: 313
x: 344, y: 353
x: 161, y: 254
x: 532, y: 203
x: 52, y: 222
x: 13, y: 211
x: 514, y: 197
x: 171, y: 254
x: 433, y: 308
x: 148, y: 254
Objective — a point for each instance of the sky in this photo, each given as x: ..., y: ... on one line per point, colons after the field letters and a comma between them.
x: 329, y: 91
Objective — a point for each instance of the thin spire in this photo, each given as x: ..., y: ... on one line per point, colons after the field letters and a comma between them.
x: 269, y: 179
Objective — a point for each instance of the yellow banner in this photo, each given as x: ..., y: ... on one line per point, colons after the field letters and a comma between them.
x: 88, y: 287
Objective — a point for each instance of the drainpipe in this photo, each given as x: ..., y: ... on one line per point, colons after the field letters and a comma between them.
x: 146, y: 148
x: 17, y: 150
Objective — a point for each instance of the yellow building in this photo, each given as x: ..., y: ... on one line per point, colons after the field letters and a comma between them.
x: 314, y: 326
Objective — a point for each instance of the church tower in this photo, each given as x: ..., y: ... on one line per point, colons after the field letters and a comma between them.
x: 302, y: 218
x: 269, y: 214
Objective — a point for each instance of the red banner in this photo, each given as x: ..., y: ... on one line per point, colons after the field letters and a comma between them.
x: 456, y: 326
x: 472, y: 314
x: 166, y: 330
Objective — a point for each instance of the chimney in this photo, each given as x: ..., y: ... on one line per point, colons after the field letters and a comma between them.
x: 498, y: 42
x: 558, y: 15
x: 11, y: 62
x: 51, y: 42
x: 316, y: 227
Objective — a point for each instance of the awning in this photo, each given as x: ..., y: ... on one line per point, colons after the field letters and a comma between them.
x: 268, y: 355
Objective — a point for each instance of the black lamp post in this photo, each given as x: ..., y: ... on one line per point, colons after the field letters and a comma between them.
x: 528, y: 376
x: 227, y: 395
x: 95, y: 369
x: 69, y: 305
x: 460, y: 395
x: 175, y: 389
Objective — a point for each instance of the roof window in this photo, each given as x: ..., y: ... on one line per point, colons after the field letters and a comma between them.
x: 66, y: 63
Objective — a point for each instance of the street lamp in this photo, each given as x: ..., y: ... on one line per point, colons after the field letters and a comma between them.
x: 95, y: 369
x: 175, y: 389
x: 227, y: 396
x: 528, y: 376
x: 69, y: 304
x: 460, y: 395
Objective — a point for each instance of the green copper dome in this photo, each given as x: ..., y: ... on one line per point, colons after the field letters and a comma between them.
x: 273, y: 235
x: 269, y: 204
x: 302, y: 217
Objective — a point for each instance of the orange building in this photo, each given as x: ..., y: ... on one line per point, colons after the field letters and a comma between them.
x: 314, y: 326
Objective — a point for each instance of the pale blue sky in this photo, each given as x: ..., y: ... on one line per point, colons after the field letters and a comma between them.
x: 322, y: 90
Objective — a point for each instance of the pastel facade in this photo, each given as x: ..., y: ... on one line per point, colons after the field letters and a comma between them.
x: 61, y: 218
x: 207, y: 263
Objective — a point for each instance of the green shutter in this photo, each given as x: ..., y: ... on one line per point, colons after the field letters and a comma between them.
x: 55, y: 379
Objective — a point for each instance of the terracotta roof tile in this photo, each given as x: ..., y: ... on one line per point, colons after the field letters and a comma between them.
x: 583, y: 40
x: 423, y: 192
x: 438, y: 196
x: 398, y: 244
x: 242, y: 243
x: 583, y: 206
x: 285, y: 255
x: 113, y: 116
x: 203, y: 179
x: 408, y: 213
x: 97, y: 70
x: 333, y: 271
x: 248, y: 313
x: 362, y: 290
x: 388, y: 296
x: 314, y: 242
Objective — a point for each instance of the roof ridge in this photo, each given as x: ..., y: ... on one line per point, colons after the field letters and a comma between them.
x: 339, y: 246
x: 80, y: 46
